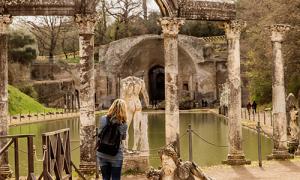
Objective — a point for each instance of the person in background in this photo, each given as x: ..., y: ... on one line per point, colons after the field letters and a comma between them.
x: 249, y: 106
x: 254, y: 107
x: 111, y: 165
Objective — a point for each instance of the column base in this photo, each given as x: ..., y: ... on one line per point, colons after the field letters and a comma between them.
x: 293, y: 146
x: 138, y: 162
x: 280, y: 155
x: 5, y: 171
x: 87, y: 168
x: 236, y: 160
x: 297, y: 153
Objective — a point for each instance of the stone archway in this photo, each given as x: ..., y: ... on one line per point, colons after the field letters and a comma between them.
x: 156, y: 84
x: 167, y: 7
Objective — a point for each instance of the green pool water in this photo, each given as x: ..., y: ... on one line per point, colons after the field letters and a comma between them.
x: 209, y: 126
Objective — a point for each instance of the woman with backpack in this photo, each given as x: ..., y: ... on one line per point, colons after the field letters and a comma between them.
x: 112, y: 131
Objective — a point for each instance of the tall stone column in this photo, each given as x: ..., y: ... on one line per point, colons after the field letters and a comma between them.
x: 5, y: 21
x: 170, y: 27
x: 86, y: 25
x: 280, y: 149
x: 235, y: 155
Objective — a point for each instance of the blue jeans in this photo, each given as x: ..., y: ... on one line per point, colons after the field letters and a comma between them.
x: 110, y: 169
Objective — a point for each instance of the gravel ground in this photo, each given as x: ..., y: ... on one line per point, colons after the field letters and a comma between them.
x: 274, y: 170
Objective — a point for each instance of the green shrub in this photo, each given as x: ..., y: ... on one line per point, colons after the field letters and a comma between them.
x: 29, y: 90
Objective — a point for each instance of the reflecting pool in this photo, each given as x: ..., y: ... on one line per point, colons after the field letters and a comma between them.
x: 209, y: 126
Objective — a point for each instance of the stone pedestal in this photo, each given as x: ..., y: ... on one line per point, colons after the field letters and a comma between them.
x: 5, y: 21
x: 235, y: 154
x: 280, y: 149
x: 170, y: 28
x: 137, y: 162
x: 86, y: 25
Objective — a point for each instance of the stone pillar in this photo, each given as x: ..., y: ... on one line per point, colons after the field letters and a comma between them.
x: 5, y: 21
x: 170, y: 28
x: 86, y: 25
x: 280, y: 149
x: 235, y: 155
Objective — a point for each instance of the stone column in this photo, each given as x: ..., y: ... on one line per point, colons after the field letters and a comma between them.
x: 235, y: 155
x: 86, y: 25
x: 280, y: 149
x: 170, y: 27
x: 5, y: 21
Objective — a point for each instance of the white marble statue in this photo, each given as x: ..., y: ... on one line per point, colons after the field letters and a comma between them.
x: 131, y: 88
x: 295, y: 130
x: 224, y: 93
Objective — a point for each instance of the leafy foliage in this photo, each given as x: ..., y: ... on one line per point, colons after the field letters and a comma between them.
x: 202, y: 29
x: 257, y: 47
x: 21, y: 47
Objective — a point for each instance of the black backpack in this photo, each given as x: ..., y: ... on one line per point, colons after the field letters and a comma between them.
x: 109, y: 139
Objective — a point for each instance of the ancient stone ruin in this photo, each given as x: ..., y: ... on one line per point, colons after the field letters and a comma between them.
x: 173, y: 168
x: 174, y: 13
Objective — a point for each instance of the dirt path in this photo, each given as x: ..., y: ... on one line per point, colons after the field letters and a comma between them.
x: 274, y: 170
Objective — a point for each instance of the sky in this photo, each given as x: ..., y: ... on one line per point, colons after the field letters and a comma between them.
x: 152, y: 5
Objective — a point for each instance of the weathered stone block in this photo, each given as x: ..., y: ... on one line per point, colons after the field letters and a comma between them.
x: 137, y: 162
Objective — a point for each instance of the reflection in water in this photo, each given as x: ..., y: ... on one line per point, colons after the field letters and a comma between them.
x: 144, y: 141
x: 208, y: 126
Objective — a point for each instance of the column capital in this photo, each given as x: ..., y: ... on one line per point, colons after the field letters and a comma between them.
x: 171, y: 26
x: 233, y: 28
x: 5, y: 21
x: 278, y: 31
x: 86, y: 23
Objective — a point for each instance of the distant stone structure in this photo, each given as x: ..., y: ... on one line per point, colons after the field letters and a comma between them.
x: 131, y: 88
x: 202, y: 67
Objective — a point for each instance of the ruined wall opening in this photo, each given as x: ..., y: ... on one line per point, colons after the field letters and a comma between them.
x: 157, y: 84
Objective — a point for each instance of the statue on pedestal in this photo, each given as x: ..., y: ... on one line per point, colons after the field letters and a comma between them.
x: 131, y: 88
x: 291, y: 103
x: 294, y: 125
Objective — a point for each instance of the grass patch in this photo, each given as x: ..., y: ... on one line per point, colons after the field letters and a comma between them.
x: 72, y: 60
x: 20, y: 103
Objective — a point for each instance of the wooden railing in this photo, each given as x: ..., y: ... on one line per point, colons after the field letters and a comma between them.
x: 57, y: 155
x: 15, y: 140
x: 57, y: 162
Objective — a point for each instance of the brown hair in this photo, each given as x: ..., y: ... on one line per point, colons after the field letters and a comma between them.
x: 118, y: 111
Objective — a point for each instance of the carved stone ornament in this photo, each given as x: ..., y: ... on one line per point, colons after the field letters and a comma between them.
x: 86, y: 23
x: 171, y: 26
x: 5, y: 21
x: 279, y: 31
x: 233, y: 28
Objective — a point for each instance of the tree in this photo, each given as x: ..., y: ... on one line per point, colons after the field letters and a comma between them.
x: 21, y: 47
x: 257, y: 48
x: 202, y: 29
x: 69, y: 40
x: 145, y: 9
x: 124, y: 11
x: 47, y: 32
x: 101, y: 28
